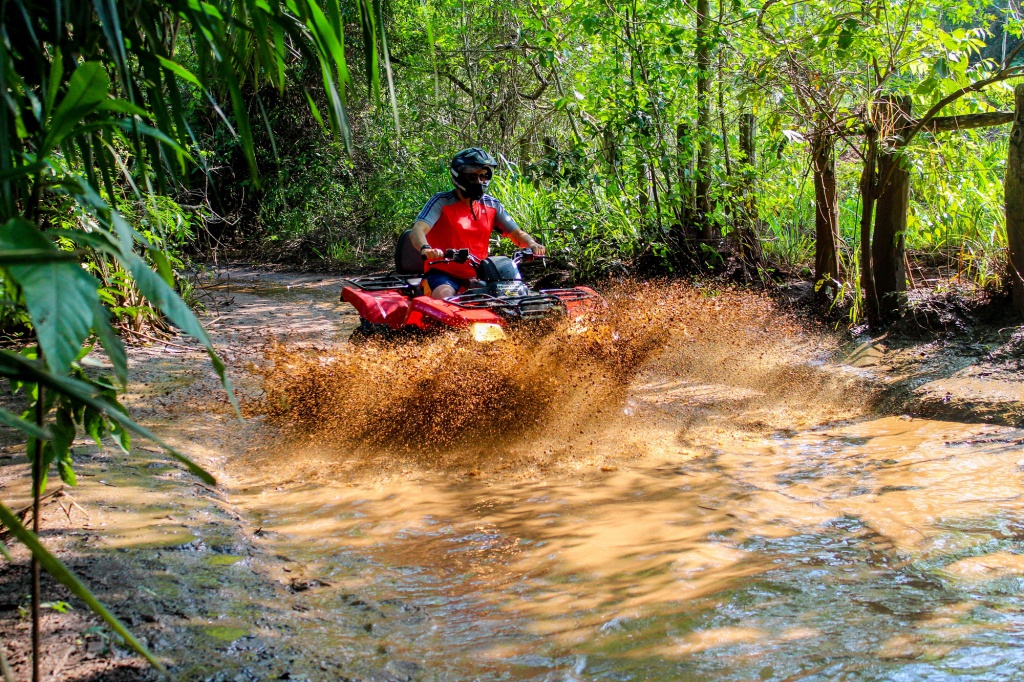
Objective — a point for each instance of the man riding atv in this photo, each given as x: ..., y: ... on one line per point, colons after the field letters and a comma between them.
x: 464, y: 218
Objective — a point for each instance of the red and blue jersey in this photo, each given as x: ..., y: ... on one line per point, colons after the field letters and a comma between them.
x: 454, y: 226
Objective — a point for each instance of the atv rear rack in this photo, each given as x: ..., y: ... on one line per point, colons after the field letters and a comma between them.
x: 380, y: 282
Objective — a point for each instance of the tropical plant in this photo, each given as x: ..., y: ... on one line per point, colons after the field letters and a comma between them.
x: 95, y: 119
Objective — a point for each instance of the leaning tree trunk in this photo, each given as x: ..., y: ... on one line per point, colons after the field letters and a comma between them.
x: 826, y: 210
x: 684, y: 166
x: 888, y: 247
x: 867, y: 194
x: 703, y: 55
x: 1014, y: 193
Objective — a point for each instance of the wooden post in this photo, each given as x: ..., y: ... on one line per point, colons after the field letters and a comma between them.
x: 826, y: 210
x: 1013, y: 187
x: 888, y: 245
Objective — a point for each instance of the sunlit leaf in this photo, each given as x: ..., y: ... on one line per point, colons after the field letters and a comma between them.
x: 87, y: 90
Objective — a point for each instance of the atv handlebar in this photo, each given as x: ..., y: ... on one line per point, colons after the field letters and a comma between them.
x: 526, y: 256
x: 457, y: 256
x: 464, y: 256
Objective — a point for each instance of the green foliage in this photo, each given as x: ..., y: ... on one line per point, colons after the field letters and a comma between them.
x: 96, y: 130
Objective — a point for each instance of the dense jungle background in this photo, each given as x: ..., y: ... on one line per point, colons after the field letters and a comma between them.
x: 653, y: 138
x: 638, y: 137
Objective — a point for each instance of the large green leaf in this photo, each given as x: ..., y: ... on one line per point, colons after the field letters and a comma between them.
x: 58, y: 570
x: 180, y: 71
x: 60, y: 295
x: 87, y: 89
x: 22, y: 256
x: 20, y: 368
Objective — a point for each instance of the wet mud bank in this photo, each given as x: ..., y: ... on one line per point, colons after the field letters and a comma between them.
x: 699, y: 488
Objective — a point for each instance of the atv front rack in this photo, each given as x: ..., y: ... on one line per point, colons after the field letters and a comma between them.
x: 568, y: 294
x: 530, y: 307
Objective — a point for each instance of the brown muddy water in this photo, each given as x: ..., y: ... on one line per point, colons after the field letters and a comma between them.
x: 688, y: 485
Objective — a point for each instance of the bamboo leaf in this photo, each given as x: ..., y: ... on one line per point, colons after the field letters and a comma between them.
x: 180, y: 71
x: 87, y: 90
x: 112, y: 343
x: 106, y: 10
x: 160, y: 294
x: 53, y: 85
x: 60, y: 295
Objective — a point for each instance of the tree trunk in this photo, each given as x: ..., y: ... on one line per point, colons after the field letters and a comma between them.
x: 524, y: 152
x: 748, y: 216
x: 1014, y: 192
x: 888, y: 250
x: 609, y: 150
x: 703, y: 55
x: 748, y: 165
x: 867, y: 210
x: 748, y: 133
x: 826, y: 210
x: 642, y: 187
x: 684, y: 165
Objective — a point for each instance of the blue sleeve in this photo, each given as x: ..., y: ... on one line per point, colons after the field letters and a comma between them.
x: 503, y: 222
x: 431, y: 213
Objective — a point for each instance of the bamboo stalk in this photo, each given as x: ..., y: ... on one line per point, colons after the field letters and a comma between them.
x: 37, y: 479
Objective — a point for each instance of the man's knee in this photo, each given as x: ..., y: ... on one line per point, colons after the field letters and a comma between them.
x: 443, y: 291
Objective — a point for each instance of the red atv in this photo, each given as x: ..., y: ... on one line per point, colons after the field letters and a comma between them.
x: 396, y: 301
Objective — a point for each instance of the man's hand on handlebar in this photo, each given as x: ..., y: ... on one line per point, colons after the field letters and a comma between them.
x: 538, y: 250
x: 432, y: 254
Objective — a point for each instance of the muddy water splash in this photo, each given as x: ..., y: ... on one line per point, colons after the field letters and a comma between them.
x: 569, y: 388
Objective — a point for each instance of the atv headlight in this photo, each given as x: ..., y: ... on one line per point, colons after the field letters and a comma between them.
x: 486, y: 332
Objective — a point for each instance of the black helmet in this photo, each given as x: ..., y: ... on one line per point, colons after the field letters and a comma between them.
x: 474, y: 156
x: 470, y: 185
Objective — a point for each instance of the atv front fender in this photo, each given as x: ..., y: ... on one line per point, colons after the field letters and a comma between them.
x: 379, y: 307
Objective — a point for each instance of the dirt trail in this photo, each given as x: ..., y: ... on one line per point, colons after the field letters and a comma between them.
x: 716, y: 502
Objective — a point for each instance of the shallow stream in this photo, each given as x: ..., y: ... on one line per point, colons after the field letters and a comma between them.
x: 888, y: 548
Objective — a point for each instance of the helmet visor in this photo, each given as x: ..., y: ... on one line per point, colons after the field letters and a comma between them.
x: 483, y: 172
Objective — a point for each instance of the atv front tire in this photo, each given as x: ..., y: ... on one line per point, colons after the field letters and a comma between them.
x: 369, y: 331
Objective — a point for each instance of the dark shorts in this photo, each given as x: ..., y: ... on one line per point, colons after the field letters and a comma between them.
x: 437, y: 278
